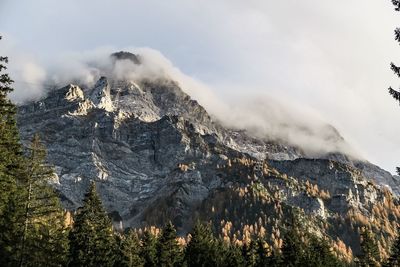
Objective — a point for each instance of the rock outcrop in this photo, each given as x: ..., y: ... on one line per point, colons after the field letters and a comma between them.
x: 157, y: 155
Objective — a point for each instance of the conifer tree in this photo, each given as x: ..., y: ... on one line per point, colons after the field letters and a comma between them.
x: 149, y: 249
x: 318, y: 253
x: 369, y: 249
x: 292, y: 250
x: 10, y: 148
x: 169, y: 252
x: 43, y: 237
x: 263, y: 259
x: 92, y: 241
x: 394, y: 257
x: 129, y: 251
x: 250, y: 253
x: 10, y: 167
x: 234, y: 257
x: 199, y: 249
x: 395, y: 93
x: 218, y: 255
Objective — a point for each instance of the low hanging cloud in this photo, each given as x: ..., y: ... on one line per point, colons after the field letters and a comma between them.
x: 288, y: 122
x: 262, y: 116
x: 29, y: 78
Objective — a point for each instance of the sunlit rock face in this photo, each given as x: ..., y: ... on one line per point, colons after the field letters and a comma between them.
x: 131, y: 138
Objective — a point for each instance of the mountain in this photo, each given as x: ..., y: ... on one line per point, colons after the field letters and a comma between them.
x: 157, y: 155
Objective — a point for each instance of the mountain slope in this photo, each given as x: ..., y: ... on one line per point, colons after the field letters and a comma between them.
x: 157, y: 155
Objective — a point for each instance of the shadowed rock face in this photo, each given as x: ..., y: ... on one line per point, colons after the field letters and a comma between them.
x: 122, y: 55
x: 157, y: 155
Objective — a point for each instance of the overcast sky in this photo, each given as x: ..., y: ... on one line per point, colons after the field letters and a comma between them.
x: 330, y: 56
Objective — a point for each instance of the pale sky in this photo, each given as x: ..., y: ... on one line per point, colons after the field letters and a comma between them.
x: 330, y: 56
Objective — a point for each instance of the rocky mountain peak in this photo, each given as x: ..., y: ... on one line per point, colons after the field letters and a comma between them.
x: 74, y: 93
x: 123, y: 55
x: 100, y: 95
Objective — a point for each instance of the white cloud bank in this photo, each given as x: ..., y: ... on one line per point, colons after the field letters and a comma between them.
x: 263, y: 116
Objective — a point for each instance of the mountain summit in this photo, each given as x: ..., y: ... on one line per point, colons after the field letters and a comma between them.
x: 157, y: 155
x: 122, y: 55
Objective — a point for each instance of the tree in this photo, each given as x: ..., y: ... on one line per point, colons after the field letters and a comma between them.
x: 394, y: 257
x: 293, y: 249
x: 43, y: 238
x: 199, y: 249
x: 263, y: 259
x: 319, y: 253
x: 149, y: 249
x: 219, y: 253
x: 92, y: 241
x: 395, y: 93
x: 369, y: 249
x: 169, y: 252
x: 234, y: 257
x: 10, y: 148
x: 129, y: 251
x: 250, y: 253
x: 11, y: 168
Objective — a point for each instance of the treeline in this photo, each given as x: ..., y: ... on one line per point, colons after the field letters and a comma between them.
x: 35, y: 231
x: 91, y: 241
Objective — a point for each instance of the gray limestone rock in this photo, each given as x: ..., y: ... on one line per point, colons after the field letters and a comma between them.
x: 149, y: 145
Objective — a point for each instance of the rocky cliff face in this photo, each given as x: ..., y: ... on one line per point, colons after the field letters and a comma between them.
x: 132, y: 138
x: 157, y: 155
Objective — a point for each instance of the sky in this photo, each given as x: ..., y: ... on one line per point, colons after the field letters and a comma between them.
x: 331, y: 57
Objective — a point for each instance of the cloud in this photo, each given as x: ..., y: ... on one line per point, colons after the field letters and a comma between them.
x: 287, y: 122
x: 262, y: 116
x: 332, y: 57
x: 26, y: 72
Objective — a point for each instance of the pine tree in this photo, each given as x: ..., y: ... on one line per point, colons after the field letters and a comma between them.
x: 318, y: 253
x: 199, y: 249
x: 395, y: 93
x: 263, y: 259
x: 369, y: 249
x: 219, y: 253
x: 149, y: 249
x: 250, y: 253
x: 11, y: 168
x: 92, y: 242
x: 292, y: 249
x: 169, y: 252
x: 129, y: 251
x: 234, y: 257
x: 43, y: 238
x: 11, y: 228
x: 394, y: 258
x: 10, y: 147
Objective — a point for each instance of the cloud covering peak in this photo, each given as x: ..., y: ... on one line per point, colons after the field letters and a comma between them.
x: 262, y: 116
